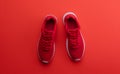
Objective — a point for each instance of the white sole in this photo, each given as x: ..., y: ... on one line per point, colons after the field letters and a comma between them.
x: 67, y: 38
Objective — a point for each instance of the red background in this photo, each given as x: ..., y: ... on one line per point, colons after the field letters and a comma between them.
x: 20, y: 25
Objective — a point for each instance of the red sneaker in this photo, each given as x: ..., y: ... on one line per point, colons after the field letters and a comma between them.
x: 46, y: 47
x: 74, y: 42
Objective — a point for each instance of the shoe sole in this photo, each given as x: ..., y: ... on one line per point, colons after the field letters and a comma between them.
x: 44, y: 61
x: 76, y: 60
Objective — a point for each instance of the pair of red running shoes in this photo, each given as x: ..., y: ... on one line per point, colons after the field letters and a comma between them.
x: 75, y: 44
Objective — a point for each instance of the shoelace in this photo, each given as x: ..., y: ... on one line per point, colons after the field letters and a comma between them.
x: 46, y: 41
x: 73, y: 37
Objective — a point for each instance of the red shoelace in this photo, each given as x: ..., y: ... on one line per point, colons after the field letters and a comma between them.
x: 73, y: 38
x: 46, y: 41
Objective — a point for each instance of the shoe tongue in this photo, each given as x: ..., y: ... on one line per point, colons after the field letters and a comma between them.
x: 48, y: 31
